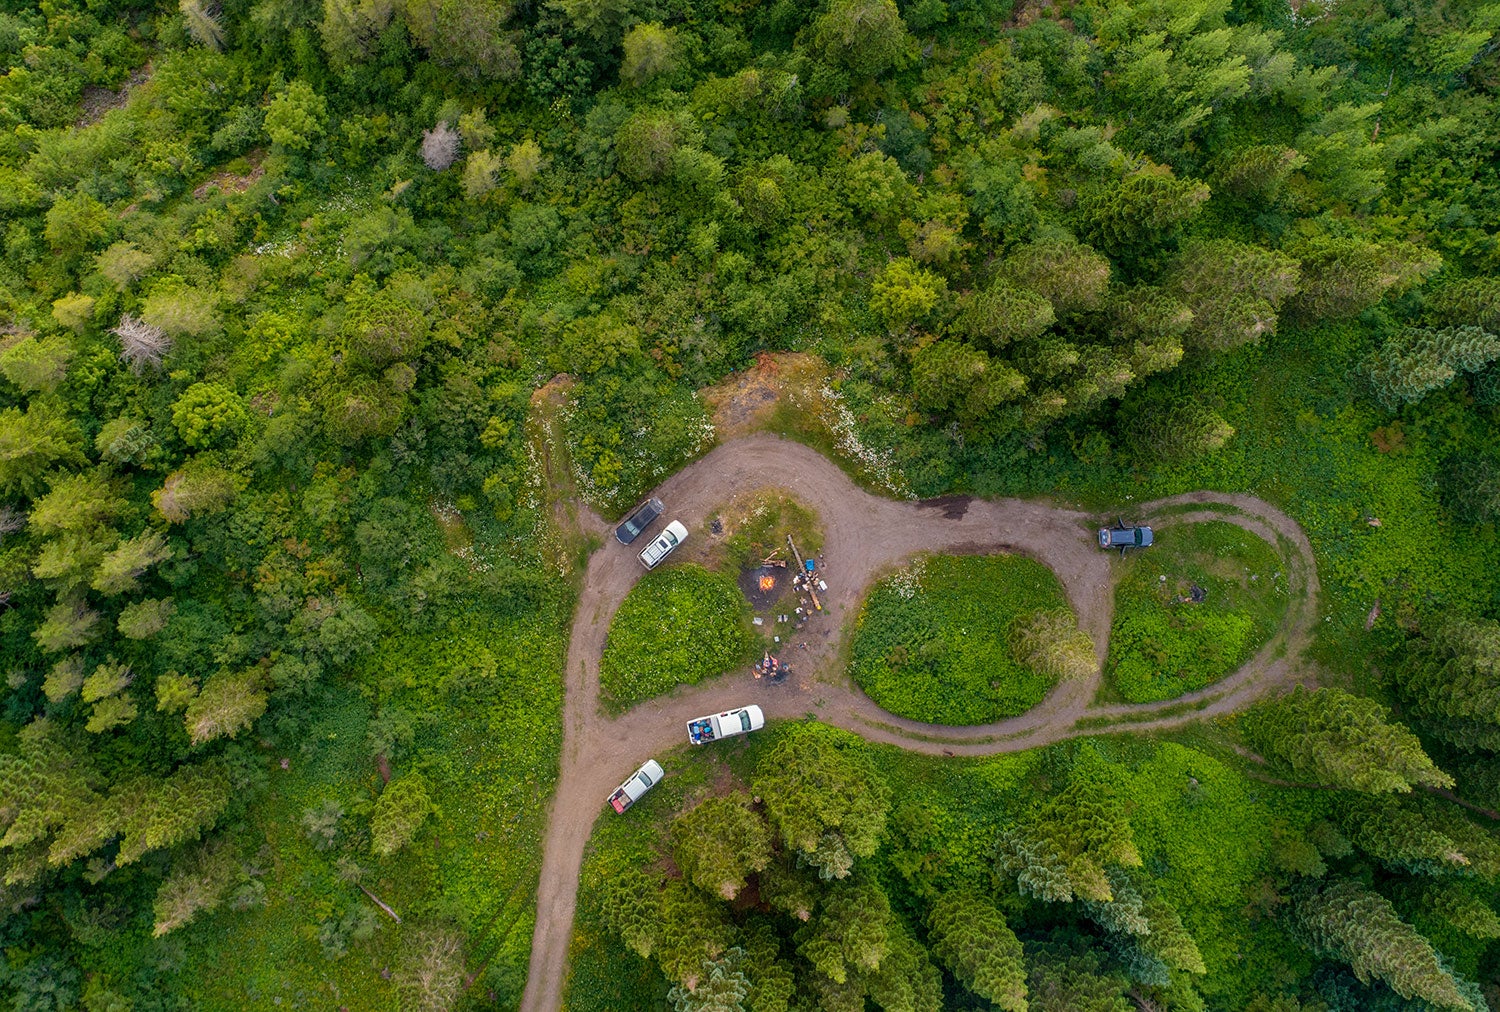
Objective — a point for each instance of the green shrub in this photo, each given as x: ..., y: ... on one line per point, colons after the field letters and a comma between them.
x: 678, y: 625
x: 933, y: 642
x: 1160, y: 645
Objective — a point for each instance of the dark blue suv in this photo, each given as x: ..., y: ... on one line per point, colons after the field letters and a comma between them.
x: 1123, y: 536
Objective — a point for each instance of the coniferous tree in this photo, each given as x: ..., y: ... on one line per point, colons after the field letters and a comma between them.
x: 1071, y: 277
x: 430, y: 977
x: 1471, y: 302
x: 1233, y: 290
x: 631, y: 903
x: 1051, y: 642
x: 969, y: 936
x: 1142, y: 211
x: 1451, y: 677
x: 772, y: 980
x: 1415, y: 834
x: 163, y: 813
x: 1002, y: 314
x: 720, y: 842
x: 1341, y: 278
x: 1258, y: 171
x: 399, y: 813
x: 1064, y: 851
x: 1345, y: 921
x: 1175, y: 428
x: 789, y: 889
x: 692, y: 930
x: 722, y: 986
x: 197, y: 884
x: 851, y: 931
x: 1337, y: 739
x: 906, y: 980
x: 824, y: 798
x: 1066, y: 974
x: 1450, y: 905
x: 1419, y: 360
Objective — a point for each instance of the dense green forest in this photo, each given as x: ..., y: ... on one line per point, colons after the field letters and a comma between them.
x: 285, y: 573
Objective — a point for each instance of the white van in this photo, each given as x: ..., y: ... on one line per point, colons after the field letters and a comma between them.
x: 674, y: 535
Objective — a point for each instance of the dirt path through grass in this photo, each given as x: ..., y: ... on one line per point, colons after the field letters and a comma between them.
x: 864, y: 535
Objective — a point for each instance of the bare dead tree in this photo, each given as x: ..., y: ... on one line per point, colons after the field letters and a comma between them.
x: 11, y: 520
x: 440, y: 146
x: 141, y: 344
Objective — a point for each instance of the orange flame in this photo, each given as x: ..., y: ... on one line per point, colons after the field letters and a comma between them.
x: 767, y: 583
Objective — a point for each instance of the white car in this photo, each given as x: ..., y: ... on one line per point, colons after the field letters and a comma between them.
x: 673, y: 535
x: 726, y: 724
x: 641, y: 781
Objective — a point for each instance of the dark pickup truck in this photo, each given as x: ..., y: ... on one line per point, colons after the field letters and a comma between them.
x: 640, y: 518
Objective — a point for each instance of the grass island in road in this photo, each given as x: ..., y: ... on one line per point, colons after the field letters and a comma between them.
x: 935, y: 641
x: 677, y: 626
x: 1163, y: 642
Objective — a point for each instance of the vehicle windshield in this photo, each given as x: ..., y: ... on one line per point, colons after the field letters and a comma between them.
x: 644, y: 777
x: 744, y: 720
x: 668, y: 540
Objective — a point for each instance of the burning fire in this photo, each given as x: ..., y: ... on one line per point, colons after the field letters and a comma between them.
x: 767, y: 583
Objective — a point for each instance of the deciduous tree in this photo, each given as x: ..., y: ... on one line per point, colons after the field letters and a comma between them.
x: 866, y: 36
x: 122, y: 567
x: 31, y: 443
x: 229, y: 702
x: 650, y: 51
x: 38, y: 364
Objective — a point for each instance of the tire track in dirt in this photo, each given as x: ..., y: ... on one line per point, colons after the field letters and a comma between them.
x: 864, y: 535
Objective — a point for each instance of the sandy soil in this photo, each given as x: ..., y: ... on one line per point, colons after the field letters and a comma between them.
x: 863, y: 536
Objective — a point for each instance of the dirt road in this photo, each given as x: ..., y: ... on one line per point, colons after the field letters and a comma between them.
x: 864, y: 535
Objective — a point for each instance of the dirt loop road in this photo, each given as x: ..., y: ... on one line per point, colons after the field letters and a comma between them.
x: 864, y: 534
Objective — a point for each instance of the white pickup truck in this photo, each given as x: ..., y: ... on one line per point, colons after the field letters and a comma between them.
x: 641, y: 781
x: 726, y: 724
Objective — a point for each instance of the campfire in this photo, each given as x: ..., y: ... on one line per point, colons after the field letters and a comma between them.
x: 767, y: 584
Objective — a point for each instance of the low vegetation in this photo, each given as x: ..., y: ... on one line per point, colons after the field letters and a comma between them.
x: 1164, y: 642
x: 965, y: 639
x: 678, y: 626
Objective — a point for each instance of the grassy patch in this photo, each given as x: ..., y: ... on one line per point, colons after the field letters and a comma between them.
x: 1162, y: 645
x: 758, y: 525
x: 677, y: 626
x: 932, y: 641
